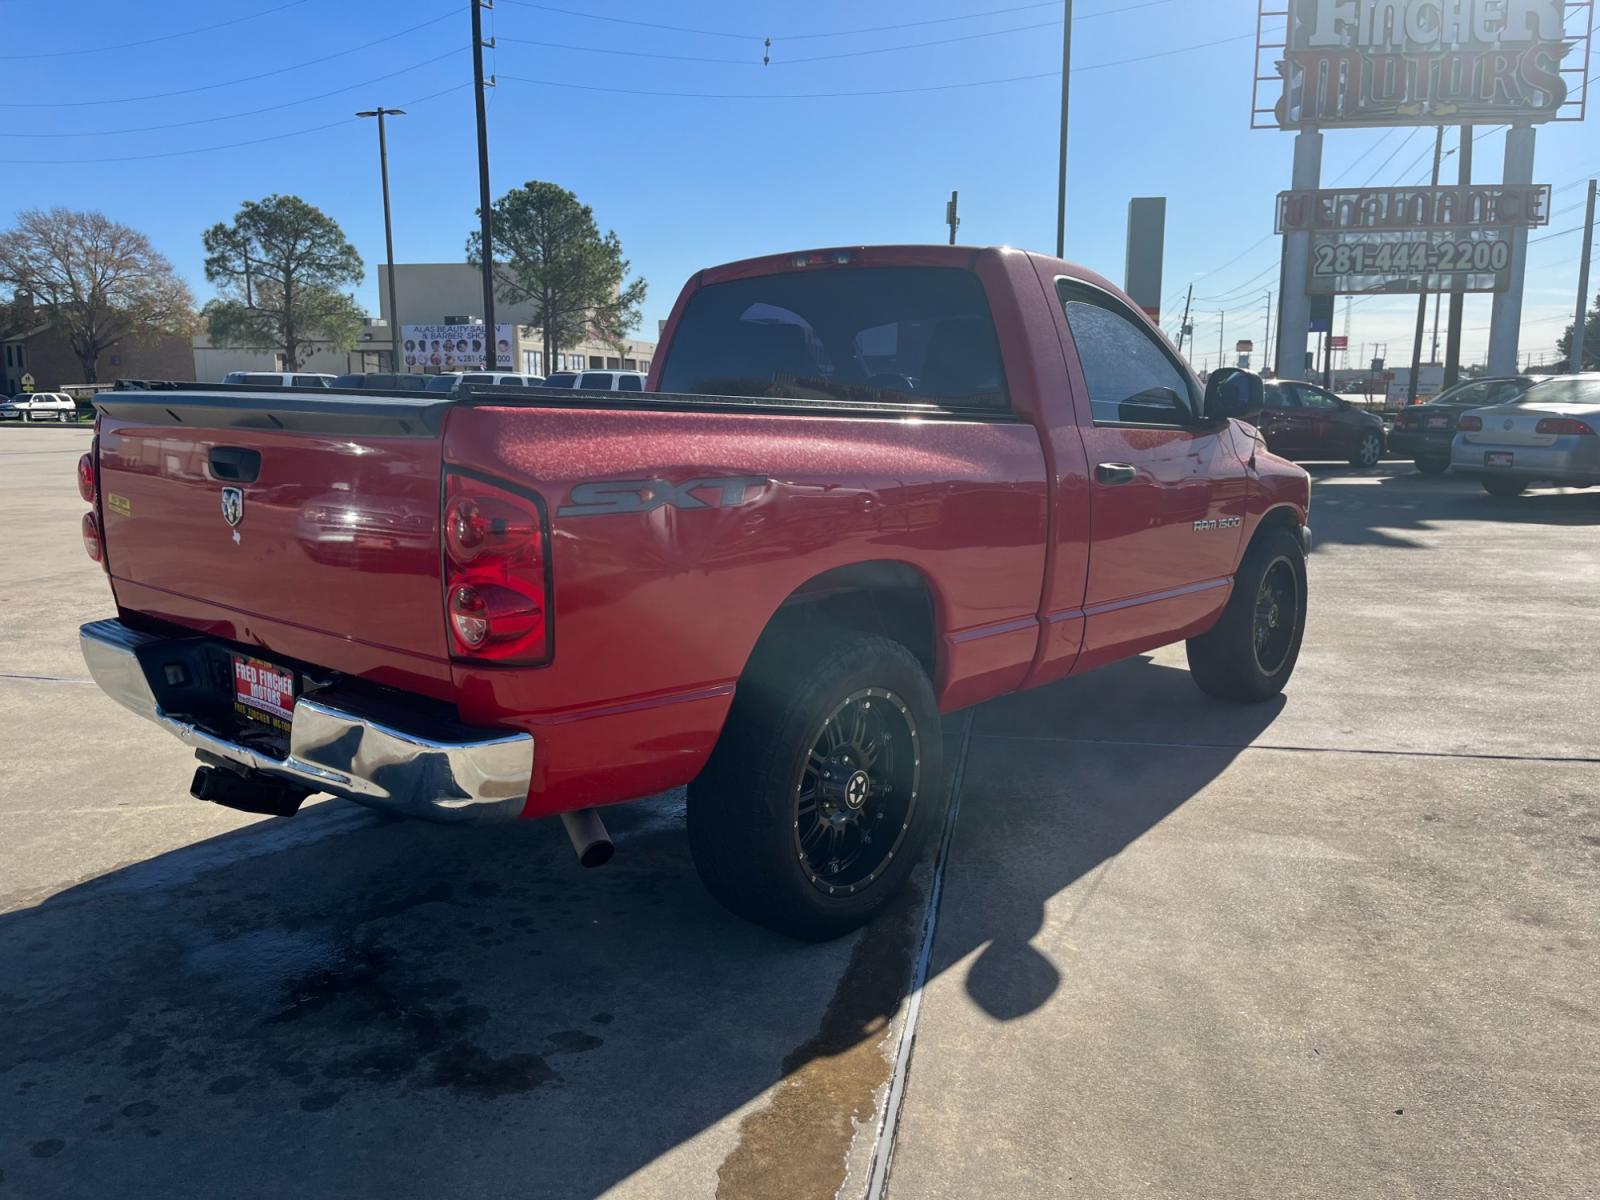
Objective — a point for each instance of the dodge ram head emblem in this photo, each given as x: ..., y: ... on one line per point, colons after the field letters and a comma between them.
x: 232, y: 506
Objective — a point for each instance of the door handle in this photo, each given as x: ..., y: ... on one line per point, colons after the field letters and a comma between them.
x: 1115, y: 473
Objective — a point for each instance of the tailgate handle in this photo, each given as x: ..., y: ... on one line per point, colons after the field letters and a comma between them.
x: 235, y: 464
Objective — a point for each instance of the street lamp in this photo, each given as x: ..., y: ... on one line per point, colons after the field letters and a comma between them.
x: 388, y: 229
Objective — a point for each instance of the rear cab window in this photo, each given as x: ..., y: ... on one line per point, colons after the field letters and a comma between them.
x: 896, y: 335
x: 600, y: 382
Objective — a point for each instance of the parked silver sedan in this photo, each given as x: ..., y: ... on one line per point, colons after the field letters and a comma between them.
x: 1550, y: 434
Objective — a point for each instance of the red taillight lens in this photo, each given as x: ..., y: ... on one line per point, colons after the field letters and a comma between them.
x: 91, y: 537
x: 1469, y: 425
x: 1564, y: 427
x: 496, y: 568
x: 86, y: 477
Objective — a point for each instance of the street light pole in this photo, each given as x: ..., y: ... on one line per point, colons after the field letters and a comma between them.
x: 1066, y: 91
x: 388, y: 229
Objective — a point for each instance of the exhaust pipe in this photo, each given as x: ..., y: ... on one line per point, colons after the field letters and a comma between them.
x: 252, y: 793
x: 589, y: 837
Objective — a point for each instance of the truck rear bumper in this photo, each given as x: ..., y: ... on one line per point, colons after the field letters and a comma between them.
x: 408, y: 767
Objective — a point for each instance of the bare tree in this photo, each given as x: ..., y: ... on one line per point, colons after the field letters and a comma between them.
x: 98, y: 281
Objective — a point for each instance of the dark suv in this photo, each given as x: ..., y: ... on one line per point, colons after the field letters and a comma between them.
x: 1424, y: 432
x: 1302, y: 420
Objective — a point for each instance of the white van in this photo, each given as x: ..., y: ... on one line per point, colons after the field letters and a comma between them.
x: 502, y: 379
x: 279, y: 379
x: 598, y: 381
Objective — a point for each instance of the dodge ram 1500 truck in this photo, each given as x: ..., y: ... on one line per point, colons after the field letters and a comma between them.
x: 866, y: 486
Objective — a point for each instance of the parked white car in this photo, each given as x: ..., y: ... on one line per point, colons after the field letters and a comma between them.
x: 279, y: 379
x: 502, y: 379
x: 40, y: 406
x: 598, y: 381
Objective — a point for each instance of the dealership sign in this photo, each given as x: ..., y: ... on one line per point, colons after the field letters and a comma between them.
x: 454, y: 347
x: 1398, y: 262
x: 1352, y: 63
x: 1472, y: 206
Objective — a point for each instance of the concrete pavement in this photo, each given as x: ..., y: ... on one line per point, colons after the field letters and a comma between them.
x: 1183, y: 949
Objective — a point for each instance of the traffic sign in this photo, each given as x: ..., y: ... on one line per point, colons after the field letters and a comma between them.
x: 1339, y: 342
x: 27, y: 383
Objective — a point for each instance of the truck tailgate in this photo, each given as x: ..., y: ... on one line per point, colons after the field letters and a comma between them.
x: 250, y: 516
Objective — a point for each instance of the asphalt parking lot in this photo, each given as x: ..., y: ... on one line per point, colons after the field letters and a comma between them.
x: 1341, y: 944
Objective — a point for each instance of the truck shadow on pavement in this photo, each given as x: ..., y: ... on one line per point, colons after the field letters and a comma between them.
x: 364, y: 1007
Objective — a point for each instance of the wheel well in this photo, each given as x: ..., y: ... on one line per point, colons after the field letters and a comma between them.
x: 892, y: 599
x: 1282, y: 515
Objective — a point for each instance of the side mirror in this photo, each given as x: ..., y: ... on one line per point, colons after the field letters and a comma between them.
x: 1231, y: 392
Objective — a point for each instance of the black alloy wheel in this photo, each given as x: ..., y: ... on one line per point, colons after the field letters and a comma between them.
x: 858, y: 791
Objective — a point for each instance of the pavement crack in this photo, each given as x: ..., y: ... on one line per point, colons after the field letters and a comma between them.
x: 1235, y: 747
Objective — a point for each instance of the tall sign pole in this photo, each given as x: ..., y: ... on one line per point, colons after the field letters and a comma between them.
x: 486, y: 226
x: 1422, y: 300
x: 388, y: 228
x: 1066, y: 92
x: 1505, y: 322
x: 1581, y: 329
x: 1294, y: 313
x: 1458, y: 295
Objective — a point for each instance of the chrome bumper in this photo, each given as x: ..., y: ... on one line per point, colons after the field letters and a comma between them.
x: 436, y: 775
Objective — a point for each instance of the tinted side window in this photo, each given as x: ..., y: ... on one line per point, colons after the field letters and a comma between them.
x: 1312, y: 398
x: 600, y: 382
x: 629, y: 383
x: 1131, y: 379
x: 310, y: 381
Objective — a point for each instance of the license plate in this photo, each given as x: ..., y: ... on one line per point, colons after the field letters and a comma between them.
x: 1438, y: 422
x: 263, y: 692
x: 1498, y: 458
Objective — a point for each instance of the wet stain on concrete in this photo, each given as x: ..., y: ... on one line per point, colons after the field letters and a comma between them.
x: 140, y: 1108
x: 320, y: 1101
x: 470, y: 1070
x: 574, y: 1041
x: 796, y: 1148
x: 226, y: 1085
x: 48, y: 1148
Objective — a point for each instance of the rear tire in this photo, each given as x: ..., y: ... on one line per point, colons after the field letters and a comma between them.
x: 824, y: 786
x: 1503, y: 488
x: 1249, y: 655
x: 1368, y: 451
x: 1433, y: 466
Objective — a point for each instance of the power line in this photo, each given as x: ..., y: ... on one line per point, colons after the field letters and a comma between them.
x: 693, y: 58
x: 942, y: 87
x: 166, y: 37
x: 211, y: 87
x: 802, y: 37
x: 276, y: 137
x: 254, y: 112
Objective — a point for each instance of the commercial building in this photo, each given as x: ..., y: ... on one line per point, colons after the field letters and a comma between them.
x: 438, y: 294
x: 210, y: 362
x: 46, y: 354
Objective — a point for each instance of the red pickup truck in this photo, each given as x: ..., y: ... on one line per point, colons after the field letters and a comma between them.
x: 866, y: 486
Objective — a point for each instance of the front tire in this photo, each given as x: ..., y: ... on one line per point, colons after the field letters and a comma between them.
x: 1503, y: 488
x: 1368, y: 451
x: 1433, y: 466
x: 824, y: 786
x: 1249, y: 655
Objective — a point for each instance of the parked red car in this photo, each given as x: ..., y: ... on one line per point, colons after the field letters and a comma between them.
x: 1303, y: 421
x: 869, y: 486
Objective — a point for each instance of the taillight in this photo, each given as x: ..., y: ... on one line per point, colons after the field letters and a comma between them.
x: 1564, y: 427
x: 1469, y: 425
x: 86, y: 477
x: 496, y: 572
x: 91, y: 537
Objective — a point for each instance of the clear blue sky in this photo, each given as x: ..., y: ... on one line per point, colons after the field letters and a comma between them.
x: 688, y: 181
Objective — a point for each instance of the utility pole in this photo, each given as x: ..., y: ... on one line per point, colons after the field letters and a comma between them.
x: 1266, y: 347
x: 1222, y: 329
x: 486, y: 223
x: 1183, y: 327
x: 1422, y: 300
x: 1066, y: 90
x: 388, y: 229
x: 952, y: 215
x: 1581, y: 329
x: 1458, y: 298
